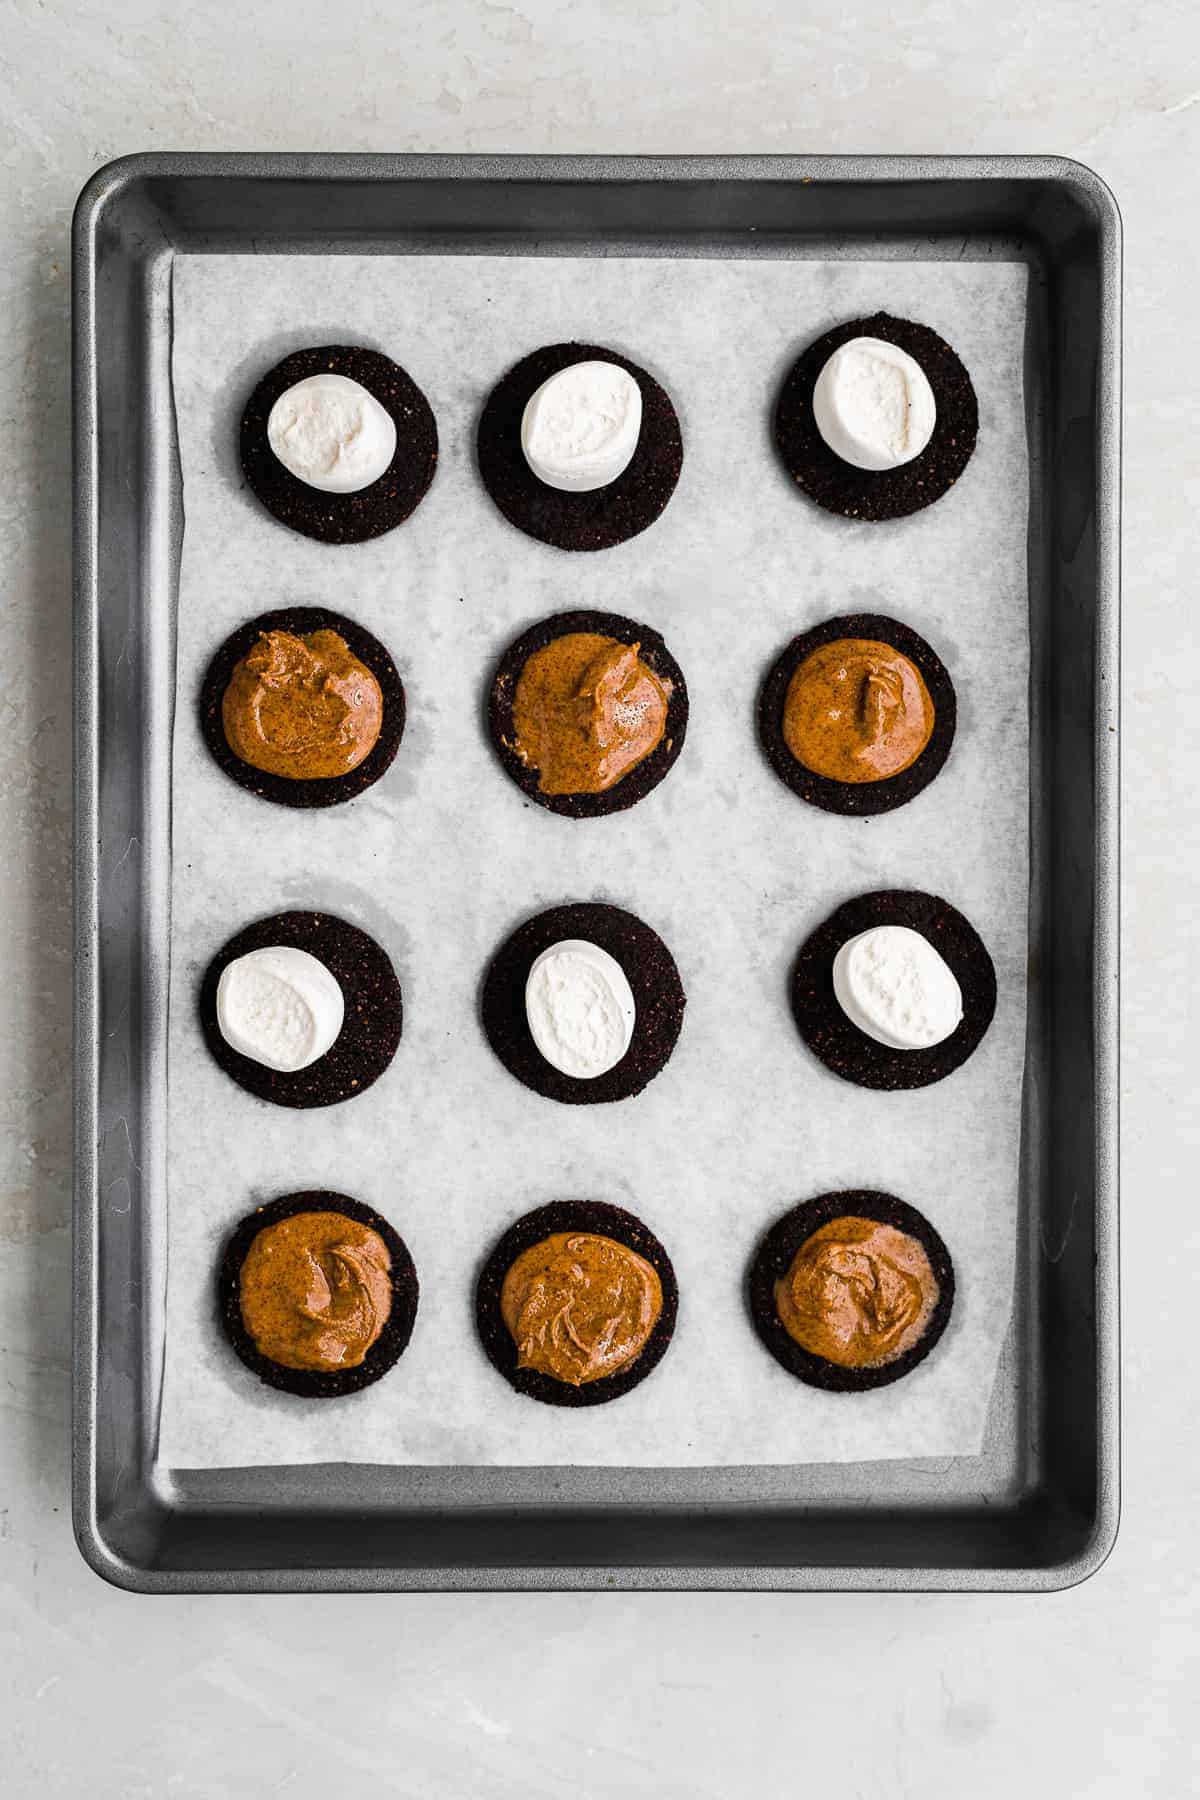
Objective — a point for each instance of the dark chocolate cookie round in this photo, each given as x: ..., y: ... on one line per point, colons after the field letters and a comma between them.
x: 878, y: 493
x: 858, y: 799
x: 584, y: 1216
x: 774, y: 1257
x: 388, y: 1347
x: 848, y: 1051
x: 386, y: 503
x: 644, y: 775
x: 592, y: 521
x: 373, y: 1021
x: 649, y: 969
x: 330, y: 791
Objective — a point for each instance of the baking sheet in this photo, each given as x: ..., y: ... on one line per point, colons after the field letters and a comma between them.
x: 443, y: 857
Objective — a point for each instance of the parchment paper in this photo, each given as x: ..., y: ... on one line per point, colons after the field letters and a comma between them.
x: 442, y: 858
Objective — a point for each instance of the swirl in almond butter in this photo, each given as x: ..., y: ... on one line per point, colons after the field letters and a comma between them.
x: 304, y: 708
x: 580, y: 1306
x: 857, y: 710
x: 316, y: 1290
x: 586, y: 711
x: 857, y: 1293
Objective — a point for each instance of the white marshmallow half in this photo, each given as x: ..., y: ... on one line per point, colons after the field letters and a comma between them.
x: 580, y: 429
x: 580, y: 1008
x: 279, y: 1006
x: 892, y: 984
x: 332, y: 434
x: 873, y: 404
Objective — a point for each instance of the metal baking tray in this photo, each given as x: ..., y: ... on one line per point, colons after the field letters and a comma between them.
x: 1038, y: 1508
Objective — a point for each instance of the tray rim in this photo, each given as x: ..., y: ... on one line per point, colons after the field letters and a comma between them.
x: 98, y: 195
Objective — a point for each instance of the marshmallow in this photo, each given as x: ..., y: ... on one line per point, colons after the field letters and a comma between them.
x: 892, y: 984
x: 580, y: 429
x: 280, y: 1007
x: 332, y: 434
x: 873, y: 404
x: 580, y: 1008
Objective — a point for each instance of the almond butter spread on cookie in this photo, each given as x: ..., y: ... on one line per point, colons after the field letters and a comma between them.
x: 857, y: 710
x: 586, y: 711
x: 580, y: 1306
x: 316, y: 1290
x: 304, y: 708
x: 857, y: 1293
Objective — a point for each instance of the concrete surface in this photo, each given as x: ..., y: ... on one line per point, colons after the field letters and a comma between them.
x: 1090, y: 1693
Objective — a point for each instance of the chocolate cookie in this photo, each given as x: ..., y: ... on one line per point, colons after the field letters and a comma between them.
x: 301, y: 620
x: 878, y: 493
x: 388, y: 1347
x: 848, y: 1051
x: 591, y: 521
x: 858, y: 799
x: 649, y: 969
x: 644, y: 775
x: 774, y: 1257
x: 343, y: 518
x: 572, y: 1215
x: 373, y: 1020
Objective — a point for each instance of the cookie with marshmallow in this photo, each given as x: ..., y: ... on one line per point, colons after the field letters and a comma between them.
x: 876, y: 419
x: 895, y: 989
x: 579, y: 447
x: 583, y: 1003
x: 339, y: 443
x: 302, y: 1009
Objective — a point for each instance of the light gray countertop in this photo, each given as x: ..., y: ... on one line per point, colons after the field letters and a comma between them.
x: 1091, y: 1692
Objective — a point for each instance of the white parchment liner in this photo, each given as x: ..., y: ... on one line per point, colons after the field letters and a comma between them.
x: 443, y: 857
